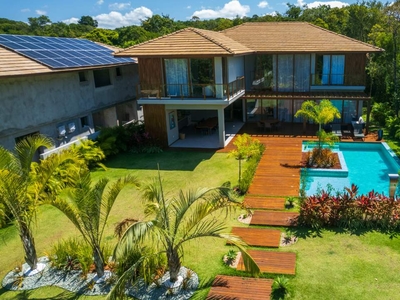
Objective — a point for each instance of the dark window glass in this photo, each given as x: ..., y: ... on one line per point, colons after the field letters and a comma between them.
x: 101, y: 77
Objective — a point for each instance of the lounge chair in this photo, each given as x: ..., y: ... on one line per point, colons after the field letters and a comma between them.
x: 358, y: 132
x: 337, y: 130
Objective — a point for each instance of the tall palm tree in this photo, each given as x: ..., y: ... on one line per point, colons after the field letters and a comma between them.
x: 24, y: 184
x: 177, y: 221
x: 88, y: 206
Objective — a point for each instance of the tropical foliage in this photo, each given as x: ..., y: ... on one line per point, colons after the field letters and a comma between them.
x: 173, y: 222
x: 88, y: 206
x: 24, y: 184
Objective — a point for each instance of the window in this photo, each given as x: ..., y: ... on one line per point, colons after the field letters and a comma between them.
x: 118, y: 72
x: 329, y: 69
x: 82, y: 76
x: 264, y: 74
x: 285, y: 73
x: 84, y: 121
x: 101, y: 77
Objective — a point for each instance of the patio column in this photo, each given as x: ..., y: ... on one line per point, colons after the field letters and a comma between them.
x: 219, y: 90
x: 221, y: 127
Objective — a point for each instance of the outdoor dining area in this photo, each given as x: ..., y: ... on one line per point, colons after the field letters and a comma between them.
x: 207, y: 126
x: 269, y: 124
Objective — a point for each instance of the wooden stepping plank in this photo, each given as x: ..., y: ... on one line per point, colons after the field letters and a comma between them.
x: 274, y: 218
x: 264, y: 202
x: 258, y: 236
x: 240, y: 288
x: 272, y: 262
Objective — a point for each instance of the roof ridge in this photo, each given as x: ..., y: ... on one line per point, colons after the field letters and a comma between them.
x: 199, y: 31
x: 345, y: 36
x: 258, y: 22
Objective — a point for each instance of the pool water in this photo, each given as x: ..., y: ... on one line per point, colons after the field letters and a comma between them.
x: 368, y: 166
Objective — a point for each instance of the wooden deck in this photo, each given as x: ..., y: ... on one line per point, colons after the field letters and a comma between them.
x: 274, y: 218
x: 240, y: 288
x: 264, y: 202
x: 260, y: 237
x: 272, y: 262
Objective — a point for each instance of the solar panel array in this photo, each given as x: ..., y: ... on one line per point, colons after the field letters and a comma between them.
x: 61, y: 53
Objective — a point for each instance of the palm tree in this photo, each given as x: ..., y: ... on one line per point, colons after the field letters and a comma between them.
x: 88, y: 208
x: 177, y: 221
x: 322, y: 113
x: 25, y: 184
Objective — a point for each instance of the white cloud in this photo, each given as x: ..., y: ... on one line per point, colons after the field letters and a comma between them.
x: 300, y: 3
x: 120, y: 6
x: 115, y: 19
x: 41, y: 12
x: 100, y: 2
x: 24, y: 10
x: 263, y: 4
x: 332, y: 4
x: 189, y: 7
x: 230, y: 10
x: 71, y: 20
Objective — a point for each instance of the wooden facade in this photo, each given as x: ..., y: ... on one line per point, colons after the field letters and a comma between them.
x: 150, y: 72
x: 355, y: 69
x: 158, y: 125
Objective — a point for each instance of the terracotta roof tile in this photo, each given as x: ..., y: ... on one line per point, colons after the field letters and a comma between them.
x: 275, y: 37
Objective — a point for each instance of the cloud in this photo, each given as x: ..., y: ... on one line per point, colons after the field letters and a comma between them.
x: 71, y: 20
x: 120, y: 6
x: 230, y: 10
x: 41, y: 12
x: 189, y: 7
x: 263, y: 4
x: 100, y: 2
x: 24, y: 10
x: 332, y: 4
x: 115, y: 19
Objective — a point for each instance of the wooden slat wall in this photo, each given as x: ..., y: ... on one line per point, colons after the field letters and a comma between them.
x: 157, y: 125
x: 150, y: 72
x: 355, y: 65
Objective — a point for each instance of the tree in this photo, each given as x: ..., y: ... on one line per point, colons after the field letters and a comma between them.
x: 88, y: 20
x: 25, y: 184
x: 245, y: 148
x: 39, y: 22
x: 88, y: 208
x: 177, y: 221
x: 322, y: 113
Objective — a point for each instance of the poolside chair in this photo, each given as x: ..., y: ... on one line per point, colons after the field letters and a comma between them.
x: 337, y: 130
x: 358, y: 132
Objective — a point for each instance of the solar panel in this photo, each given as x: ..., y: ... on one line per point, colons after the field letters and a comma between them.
x: 61, y: 53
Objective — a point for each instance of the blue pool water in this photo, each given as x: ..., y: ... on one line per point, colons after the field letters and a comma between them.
x: 367, y: 165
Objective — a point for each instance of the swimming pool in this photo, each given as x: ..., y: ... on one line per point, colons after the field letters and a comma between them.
x: 367, y: 165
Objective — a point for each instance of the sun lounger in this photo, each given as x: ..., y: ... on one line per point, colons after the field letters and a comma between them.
x: 337, y: 130
x: 358, y: 131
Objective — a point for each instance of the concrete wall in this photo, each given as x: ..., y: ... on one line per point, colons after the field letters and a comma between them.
x: 43, y: 103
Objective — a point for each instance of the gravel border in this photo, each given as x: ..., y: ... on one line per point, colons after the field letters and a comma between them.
x: 74, y: 282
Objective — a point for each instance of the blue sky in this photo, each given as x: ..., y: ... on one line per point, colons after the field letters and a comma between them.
x: 112, y: 14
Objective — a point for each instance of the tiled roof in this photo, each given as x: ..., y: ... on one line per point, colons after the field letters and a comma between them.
x: 188, y: 41
x: 275, y: 37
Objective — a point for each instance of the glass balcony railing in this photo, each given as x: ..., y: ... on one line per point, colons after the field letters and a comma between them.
x: 337, y: 79
x: 192, y: 91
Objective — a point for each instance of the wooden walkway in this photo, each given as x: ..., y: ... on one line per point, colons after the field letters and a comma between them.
x: 265, y: 202
x: 240, y: 288
x: 260, y: 237
x: 274, y: 218
x: 272, y: 262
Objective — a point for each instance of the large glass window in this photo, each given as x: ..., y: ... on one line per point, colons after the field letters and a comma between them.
x: 302, y: 73
x: 265, y: 70
x: 101, y: 77
x: 285, y: 73
x: 202, y: 76
x: 176, y: 77
x: 329, y: 70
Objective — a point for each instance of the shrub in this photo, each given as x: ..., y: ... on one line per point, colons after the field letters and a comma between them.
x: 380, y: 112
x: 321, y: 158
x: 280, y: 287
x: 91, y: 153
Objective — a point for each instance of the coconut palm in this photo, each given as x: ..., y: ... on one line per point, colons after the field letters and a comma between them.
x: 88, y: 206
x: 177, y: 221
x: 24, y: 184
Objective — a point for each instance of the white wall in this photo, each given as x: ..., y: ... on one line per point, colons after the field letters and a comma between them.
x: 235, y: 67
x: 173, y: 133
x: 44, y: 102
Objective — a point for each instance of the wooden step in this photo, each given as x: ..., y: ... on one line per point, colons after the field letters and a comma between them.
x: 264, y: 202
x: 272, y: 262
x: 240, y: 288
x: 274, y: 218
x: 261, y: 237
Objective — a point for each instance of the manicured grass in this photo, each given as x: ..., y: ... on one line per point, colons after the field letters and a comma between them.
x: 343, y: 266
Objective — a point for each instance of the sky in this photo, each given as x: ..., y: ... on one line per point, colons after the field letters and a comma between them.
x: 112, y: 14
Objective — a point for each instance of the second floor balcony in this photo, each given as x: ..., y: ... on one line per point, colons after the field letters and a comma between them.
x: 192, y: 92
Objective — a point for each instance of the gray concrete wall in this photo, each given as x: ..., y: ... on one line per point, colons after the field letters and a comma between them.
x: 42, y: 103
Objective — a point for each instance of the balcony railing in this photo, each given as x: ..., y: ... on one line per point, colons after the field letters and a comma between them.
x: 192, y: 91
x: 337, y: 79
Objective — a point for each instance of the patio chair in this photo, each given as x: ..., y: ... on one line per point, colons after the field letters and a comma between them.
x: 358, y: 132
x: 337, y: 130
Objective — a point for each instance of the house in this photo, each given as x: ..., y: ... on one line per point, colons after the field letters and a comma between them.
x: 249, y: 73
x: 64, y: 88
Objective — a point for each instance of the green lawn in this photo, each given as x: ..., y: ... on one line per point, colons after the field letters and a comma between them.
x: 332, y: 266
